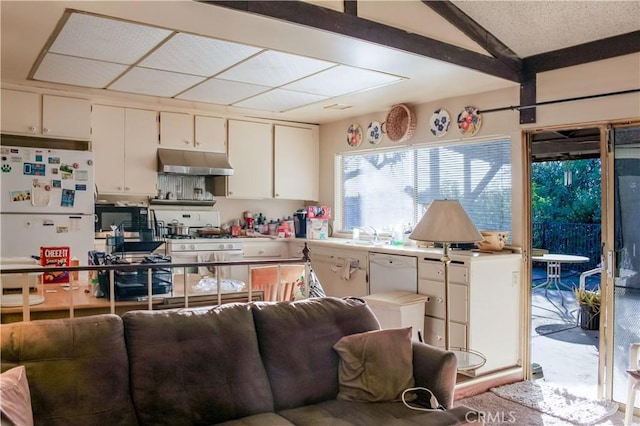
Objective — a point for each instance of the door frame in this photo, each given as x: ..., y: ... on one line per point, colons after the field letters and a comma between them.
x: 605, y: 348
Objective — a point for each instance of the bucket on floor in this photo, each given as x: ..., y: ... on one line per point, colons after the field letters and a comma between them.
x: 589, y: 319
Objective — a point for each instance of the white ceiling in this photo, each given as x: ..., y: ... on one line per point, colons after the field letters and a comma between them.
x: 27, y: 27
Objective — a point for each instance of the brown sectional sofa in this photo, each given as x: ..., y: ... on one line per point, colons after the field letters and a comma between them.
x: 262, y: 363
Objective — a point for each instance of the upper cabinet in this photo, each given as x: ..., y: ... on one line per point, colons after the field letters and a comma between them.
x: 28, y: 113
x: 296, y: 163
x: 251, y: 156
x: 200, y: 133
x: 176, y: 130
x: 124, y: 145
x: 272, y: 161
x: 211, y: 134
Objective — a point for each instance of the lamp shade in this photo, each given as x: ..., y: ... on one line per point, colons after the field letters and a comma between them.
x: 446, y: 221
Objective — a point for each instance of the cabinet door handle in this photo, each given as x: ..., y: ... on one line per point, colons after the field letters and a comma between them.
x: 440, y: 300
x: 186, y: 142
x: 197, y: 143
x: 45, y: 130
x: 32, y: 128
x: 438, y: 337
x: 126, y: 188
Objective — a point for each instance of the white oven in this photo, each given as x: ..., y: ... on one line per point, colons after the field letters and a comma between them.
x: 193, y: 247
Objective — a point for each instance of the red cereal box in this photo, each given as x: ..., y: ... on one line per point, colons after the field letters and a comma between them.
x: 55, y: 256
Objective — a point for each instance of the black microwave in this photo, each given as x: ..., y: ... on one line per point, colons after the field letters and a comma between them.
x: 126, y: 218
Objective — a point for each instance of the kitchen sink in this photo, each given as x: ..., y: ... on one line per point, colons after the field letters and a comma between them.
x: 367, y: 243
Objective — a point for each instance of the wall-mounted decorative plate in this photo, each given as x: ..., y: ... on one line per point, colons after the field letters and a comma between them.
x: 354, y: 135
x: 469, y: 121
x: 440, y: 121
x: 374, y: 133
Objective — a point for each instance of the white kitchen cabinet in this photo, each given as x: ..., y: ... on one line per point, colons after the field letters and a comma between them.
x: 29, y: 113
x: 484, y: 311
x: 124, y: 144
x: 193, y: 133
x: 176, y: 130
x: 211, y: 134
x: 341, y: 272
x: 296, y: 163
x: 250, y: 153
x: 21, y: 112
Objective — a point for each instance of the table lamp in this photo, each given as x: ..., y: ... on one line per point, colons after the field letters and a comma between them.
x: 446, y: 222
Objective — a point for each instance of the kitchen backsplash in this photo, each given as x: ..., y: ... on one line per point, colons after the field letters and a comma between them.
x: 181, y: 187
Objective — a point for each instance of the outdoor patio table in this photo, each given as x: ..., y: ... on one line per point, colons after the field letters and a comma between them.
x: 554, y: 263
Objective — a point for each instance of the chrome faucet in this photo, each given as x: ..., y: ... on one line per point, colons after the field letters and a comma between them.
x: 373, y: 233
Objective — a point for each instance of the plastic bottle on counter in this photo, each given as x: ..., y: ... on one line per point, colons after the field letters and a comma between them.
x: 290, y: 223
x: 273, y: 228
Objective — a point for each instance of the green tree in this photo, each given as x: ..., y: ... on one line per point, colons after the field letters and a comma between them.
x: 554, y: 198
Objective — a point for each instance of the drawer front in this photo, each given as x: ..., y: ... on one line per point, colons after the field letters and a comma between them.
x: 434, y: 270
x: 434, y: 332
x: 435, y: 306
x: 272, y: 250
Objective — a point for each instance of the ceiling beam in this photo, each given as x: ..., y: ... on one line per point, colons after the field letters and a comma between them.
x: 606, y: 48
x: 475, y: 32
x: 307, y: 14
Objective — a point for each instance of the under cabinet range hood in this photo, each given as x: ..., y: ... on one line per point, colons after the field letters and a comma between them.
x: 198, y: 163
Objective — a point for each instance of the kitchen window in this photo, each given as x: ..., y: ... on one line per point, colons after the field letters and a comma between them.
x: 393, y: 187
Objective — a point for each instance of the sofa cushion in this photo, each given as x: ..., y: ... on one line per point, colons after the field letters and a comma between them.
x: 77, y: 368
x: 347, y: 413
x: 196, y: 366
x: 375, y: 366
x: 15, y: 400
x: 296, y: 341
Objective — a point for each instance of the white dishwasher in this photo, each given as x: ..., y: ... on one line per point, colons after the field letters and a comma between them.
x: 392, y: 272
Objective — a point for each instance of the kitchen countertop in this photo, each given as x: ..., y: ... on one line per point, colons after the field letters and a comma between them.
x: 413, y: 250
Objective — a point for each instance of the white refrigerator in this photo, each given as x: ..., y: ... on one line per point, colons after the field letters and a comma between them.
x: 47, y: 200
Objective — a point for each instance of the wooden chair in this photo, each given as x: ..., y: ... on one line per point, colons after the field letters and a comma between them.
x: 634, y: 381
x: 265, y: 278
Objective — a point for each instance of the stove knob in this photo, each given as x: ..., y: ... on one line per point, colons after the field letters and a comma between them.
x: 230, y: 246
x: 192, y: 246
x: 221, y: 246
x: 183, y: 246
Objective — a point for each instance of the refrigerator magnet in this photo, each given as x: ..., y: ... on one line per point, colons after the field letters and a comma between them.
x: 54, y: 160
x: 21, y: 195
x: 68, y: 198
x: 66, y: 171
x: 81, y: 187
x: 82, y: 175
x: 56, y: 183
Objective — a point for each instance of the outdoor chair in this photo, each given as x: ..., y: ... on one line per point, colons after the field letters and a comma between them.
x: 634, y: 381
x: 585, y: 274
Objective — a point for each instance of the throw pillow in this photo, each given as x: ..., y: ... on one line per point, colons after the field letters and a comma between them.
x: 15, y: 398
x: 375, y: 366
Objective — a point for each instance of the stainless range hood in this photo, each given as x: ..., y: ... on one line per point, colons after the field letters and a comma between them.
x: 197, y: 163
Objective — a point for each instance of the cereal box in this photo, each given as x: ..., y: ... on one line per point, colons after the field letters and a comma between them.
x: 55, y: 256
x: 318, y: 212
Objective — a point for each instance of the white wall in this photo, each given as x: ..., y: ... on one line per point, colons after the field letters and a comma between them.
x: 622, y: 73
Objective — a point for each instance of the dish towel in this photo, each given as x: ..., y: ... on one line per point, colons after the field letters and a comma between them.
x: 213, y: 257
x: 349, y: 267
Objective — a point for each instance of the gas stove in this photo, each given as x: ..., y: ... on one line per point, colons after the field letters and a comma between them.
x: 203, y: 244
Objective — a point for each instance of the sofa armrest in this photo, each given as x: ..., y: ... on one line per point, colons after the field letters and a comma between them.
x: 436, y: 370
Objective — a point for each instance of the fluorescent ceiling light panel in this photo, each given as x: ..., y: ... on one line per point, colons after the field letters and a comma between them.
x: 274, y: 69
x: 154, y: 82
x: 340, y: 80
x: 221, y: 92
x: 104, y: 39
x: 190, y: 54
x: 78, y: 71
x: 279, y: 100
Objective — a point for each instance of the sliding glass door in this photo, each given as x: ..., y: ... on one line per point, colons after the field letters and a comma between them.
x: 623, y: 254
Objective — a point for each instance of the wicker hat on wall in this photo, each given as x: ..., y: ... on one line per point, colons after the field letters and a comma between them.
x: 400, y: 123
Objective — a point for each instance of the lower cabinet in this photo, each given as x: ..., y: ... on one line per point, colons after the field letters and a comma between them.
x: 340, y: 272
x: 484, y: 315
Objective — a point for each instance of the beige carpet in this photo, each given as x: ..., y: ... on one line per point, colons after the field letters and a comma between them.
x: 500, y: 411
